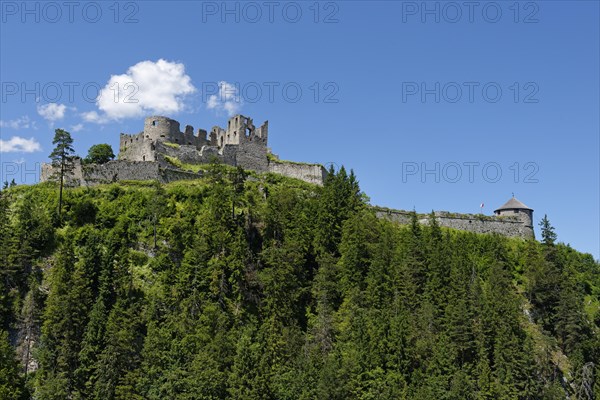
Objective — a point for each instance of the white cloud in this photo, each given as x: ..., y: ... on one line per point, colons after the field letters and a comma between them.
x: 52, y: 112
x: 18, y: 144
x: 227, y: 100
x: 146, y: 88
x: 20, y: 123
x: 77, y: 128
x: 93, y: 116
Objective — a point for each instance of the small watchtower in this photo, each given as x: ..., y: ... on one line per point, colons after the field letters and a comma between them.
x: 514, y: 207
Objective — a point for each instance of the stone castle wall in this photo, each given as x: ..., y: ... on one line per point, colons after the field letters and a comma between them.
x: 241, y: 144
x: 114, y: 171
x: 252, y: 155
x: 507, y: 226
x: 142, y: 146
x: 312, y: 173
x: 49, y: 173
x: 164, y: 171
x: 136, y: 148
x: 119, y: 170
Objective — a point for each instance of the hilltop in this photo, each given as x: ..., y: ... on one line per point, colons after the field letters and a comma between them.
x: 163, y: 153
x: 261, y: 287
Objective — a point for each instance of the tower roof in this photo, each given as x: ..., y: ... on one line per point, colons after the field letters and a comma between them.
x: 513, y: 204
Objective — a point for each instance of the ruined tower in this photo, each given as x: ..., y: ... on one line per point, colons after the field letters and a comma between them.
x: 161, y: 128
x: 240, y: 129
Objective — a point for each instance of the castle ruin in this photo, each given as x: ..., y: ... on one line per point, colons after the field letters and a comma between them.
x: 164, y: 153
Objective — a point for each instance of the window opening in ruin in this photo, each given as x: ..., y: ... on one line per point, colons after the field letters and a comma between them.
x: 153, y: 123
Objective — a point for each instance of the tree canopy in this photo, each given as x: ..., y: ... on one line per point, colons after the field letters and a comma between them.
x: 265, y: 287
x: 99, y: 154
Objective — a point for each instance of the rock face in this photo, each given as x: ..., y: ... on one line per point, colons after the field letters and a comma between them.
x: 161, y: 151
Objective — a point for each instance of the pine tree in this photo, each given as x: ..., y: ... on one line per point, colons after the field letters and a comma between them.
x: 11, y: 382
x: 548, y: 234
x: 570, y: 321
x: 286, y: 298
x: 62, y: 160
x: 340, y: 197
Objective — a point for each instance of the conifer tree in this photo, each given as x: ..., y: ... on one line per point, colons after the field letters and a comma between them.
x: 11, y: 382
x: 548, y: 234
x: 62, y: 160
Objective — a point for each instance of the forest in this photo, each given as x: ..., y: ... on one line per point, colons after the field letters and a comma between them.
x: 247, y: 286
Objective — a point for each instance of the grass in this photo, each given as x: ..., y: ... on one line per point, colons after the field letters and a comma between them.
x: 171, y: 145
x: 183, y: 166
x: 273, y: 159
x: 174, y: 161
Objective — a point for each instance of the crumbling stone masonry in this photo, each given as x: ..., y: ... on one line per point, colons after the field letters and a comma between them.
x: 161, y: 151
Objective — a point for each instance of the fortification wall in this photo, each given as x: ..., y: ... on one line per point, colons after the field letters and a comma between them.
x: 136, y: 148
x: 399, y: 216
x: 507, y: 226
x: 208, y: 153
x: 312, y: 173
x: 142, y: 146
x: 171, y: 175
x: 188, y: 138
x: 119, y: 170
x: 228, y: 154
x: 75, y: 178
x: 45, y: 171
x: 252, y: 155
x: 186, y: 154
x: 161, y: 128
x: 241, y: 144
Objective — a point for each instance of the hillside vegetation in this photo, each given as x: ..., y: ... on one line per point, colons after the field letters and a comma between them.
x: 270, y: 288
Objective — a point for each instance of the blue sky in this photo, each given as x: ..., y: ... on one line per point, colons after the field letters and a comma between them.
x: 436, y: 105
